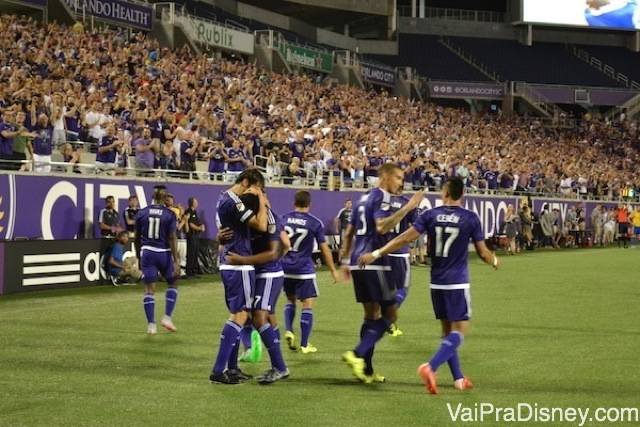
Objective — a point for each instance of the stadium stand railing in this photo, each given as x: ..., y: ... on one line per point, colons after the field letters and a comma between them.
x: 455, y: 14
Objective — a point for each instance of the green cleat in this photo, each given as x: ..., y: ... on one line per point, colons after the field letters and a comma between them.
x: 310, y: 348
x: 245, y: 356
x: 290, y: 338
x: 256, y: 348
x: 394, y: 331
x: 376, y: 378
x: 357, y: 366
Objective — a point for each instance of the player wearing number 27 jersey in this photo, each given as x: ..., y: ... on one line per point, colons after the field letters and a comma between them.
x: 304, y: 231
x: 449, y: 229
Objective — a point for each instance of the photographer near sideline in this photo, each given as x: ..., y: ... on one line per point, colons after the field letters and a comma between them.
x: 122, y: 270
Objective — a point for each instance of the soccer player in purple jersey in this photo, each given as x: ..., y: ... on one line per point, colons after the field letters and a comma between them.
x: 243, y: 209
x: 400, y: 261
x: 304, y: 230
x: 371, y: 221
x: 449, y: 228
x: 155, y: 228
x: 268, y: 248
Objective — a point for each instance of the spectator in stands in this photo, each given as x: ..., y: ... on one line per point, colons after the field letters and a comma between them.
x: 108, y: 149
x: 42, y: 144
x: 145, y: 149
x: 8, y: 131
x: 109, y: 220
x: 236, y: 158
x: 22, y: 147
x: 216, y: 157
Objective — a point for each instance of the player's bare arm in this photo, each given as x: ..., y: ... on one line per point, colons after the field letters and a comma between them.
x: 385, y: 225
x: 259, y: 221
x: 486, y: 255
x: 173, y: 244
x: 404, y: 239
x: 262, y: 258
x: 348, y: 241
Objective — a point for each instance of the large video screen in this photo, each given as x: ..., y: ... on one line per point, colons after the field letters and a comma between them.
x: 611, y: 14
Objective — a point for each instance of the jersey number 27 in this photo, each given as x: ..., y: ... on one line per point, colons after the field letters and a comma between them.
x: 296, y: 237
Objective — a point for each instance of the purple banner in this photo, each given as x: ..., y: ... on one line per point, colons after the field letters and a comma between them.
x: 131, y: 14
x: 473, y: 90
x: 68, y: 207
x: 378, y: 75
x: 588, y: 95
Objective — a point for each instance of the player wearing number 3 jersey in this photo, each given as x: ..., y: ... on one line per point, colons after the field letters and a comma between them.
x: 449, y: 229
x: 304, y: 231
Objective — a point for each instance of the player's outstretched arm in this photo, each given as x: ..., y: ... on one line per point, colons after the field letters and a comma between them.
x: 486, y: 255
x: 385, y: 225
x: 402, y: 240
x: 348, y: 241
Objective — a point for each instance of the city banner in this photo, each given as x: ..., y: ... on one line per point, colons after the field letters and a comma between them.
x: 307, y: 58
x: 139, y: 15
x: 212, y: 34
x: 465, y: 90
x: 378, y: 74
x: 61, y: 208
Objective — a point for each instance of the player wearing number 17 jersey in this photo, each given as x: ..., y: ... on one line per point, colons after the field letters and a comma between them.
x: 304, y: 230
x: 449, y: 228
x: 155, y: 228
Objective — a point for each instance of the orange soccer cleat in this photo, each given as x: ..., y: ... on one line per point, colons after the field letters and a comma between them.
x: 428, y: 378
x: 463, y: 384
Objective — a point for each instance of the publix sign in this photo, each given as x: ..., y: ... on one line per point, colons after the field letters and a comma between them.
x: 212, y: 34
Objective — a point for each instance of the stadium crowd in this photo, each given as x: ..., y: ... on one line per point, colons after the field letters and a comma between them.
x: 130, y: 98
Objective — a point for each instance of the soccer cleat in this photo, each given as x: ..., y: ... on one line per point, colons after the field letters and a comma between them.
x: 357, y: 366
x: 463, y: 384
x: 290, y: 338
x: 168, y: 324
x: 310, y: 348
x: 394, y: 331
x: 256, y: 347
x: 271, y: 376
x: 428, y: 378
x: 238, y: 374
x: 223, y: 378
x: 152, y: 329
x: 245, y: 356
x: 376, y: 378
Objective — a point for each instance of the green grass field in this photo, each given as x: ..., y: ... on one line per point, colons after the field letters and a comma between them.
x: 553, y: 328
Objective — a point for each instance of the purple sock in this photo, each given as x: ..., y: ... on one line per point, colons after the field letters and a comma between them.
x: 149, y: 304
x: 454, y: 365
x: 306, y: 324
x: 233, y: 357
x: 368, y: 358
x: 228, y: 339
x: 271, y: 341
x: 401, y: 295
x: 374, y: 330
x: 276, y: 329
x: 245, y: 336
x: 171, y: 297
x: 289, y: 315
x: 449, y: 345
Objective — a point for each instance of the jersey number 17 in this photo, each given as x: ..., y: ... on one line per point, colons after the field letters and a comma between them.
x: 443, y: 246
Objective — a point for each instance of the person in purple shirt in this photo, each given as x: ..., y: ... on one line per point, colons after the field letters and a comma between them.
x: 155, y: 228
x: 8, y: 131
x: 371, y: 221
x: 449, y: 228
x: 145, y: 154
x: 243, y: 209
x: 216, y: 156
x: 374, y: 162
x: 236, y: 158
x: 268, y: 248
x: 304, y: 230
x: 108, y: 148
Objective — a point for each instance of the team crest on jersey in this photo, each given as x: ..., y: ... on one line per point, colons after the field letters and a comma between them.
x: 240, y: 206
x: 271, y: 228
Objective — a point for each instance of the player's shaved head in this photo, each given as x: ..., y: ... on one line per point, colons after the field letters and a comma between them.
x: 454, y: 188
x: 302, y: 199
x: 159, y: 193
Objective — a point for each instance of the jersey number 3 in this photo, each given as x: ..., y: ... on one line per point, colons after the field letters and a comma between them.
x: 442, y: 248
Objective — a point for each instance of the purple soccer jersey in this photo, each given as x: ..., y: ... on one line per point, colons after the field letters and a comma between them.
x: 449, y: 229
x: 372, y: 206
x: 234, y: 212
x: 269, y: 276
x: 154, y: 225
x: 304, y: 230
x: 397, y: 202
x: 261, y: 242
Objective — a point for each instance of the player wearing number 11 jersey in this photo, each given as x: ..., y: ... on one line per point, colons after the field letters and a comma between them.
x: 304, y: 230
x: 449, y: 228
x: 155, y: 228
